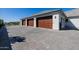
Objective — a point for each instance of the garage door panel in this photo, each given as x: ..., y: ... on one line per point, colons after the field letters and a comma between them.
x: 30, y: 22
x: 45, y: 23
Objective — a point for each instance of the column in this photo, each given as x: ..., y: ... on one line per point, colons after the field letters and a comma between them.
x: 25, y: 22
x: 56, y: 21
x: 34, y: 22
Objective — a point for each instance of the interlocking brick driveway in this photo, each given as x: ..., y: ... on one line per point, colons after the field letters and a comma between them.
x: 42, y: 39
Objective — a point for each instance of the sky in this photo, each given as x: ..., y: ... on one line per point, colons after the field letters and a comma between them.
x: 15, y: 14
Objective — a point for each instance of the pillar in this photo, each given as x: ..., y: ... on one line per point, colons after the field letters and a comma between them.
x: 34, y: 22
x: 56, y: 19
x: 25, y: 22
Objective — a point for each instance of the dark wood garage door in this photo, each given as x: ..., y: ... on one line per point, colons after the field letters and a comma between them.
x: 30, y: 22
x: 45, y: 22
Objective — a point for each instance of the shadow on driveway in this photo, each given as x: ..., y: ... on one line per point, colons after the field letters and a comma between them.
x: 15, y: 39
x: 4, y: 39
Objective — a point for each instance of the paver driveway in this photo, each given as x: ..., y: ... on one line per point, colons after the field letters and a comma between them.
x: 38, y: 38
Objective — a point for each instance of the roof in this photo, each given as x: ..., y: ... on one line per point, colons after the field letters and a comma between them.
x: 72, y: 13
x: 44, y: 12
x: 72, y: 17
x: 47, y: 11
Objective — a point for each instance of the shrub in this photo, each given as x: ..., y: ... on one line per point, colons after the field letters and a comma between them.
x: 12, y: 23
x: 1, y: 23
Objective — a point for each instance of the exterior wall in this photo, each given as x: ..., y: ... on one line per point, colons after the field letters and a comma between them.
x: 62, y: 21
x: 73, y: 23
x: 55, y: 19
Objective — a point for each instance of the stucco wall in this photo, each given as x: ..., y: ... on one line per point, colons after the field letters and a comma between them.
x: 56, y: 21
x: 73, y: 23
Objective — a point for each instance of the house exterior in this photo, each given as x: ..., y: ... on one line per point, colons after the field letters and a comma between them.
x: 73, y: 18
x: 53, y: 19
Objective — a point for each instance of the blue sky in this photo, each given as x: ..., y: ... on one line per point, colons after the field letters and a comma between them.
x: 15, y: 14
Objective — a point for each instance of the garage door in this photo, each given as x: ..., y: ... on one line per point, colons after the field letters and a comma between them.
x: 45, y: 22
x: 30, y: 22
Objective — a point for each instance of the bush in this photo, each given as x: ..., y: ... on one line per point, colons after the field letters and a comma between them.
x: 1, y: 23
x: 12, y: 23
